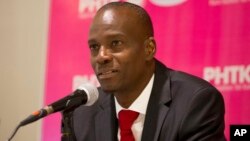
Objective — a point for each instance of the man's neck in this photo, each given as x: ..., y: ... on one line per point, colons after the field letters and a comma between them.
x: 125, y: 98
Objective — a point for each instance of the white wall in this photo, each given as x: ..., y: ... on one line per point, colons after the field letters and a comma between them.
x: 23, y: 43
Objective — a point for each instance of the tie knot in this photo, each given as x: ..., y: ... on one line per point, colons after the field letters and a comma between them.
x: 127, y: 118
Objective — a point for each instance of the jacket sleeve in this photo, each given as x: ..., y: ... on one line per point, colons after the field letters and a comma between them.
x: 204, y: 118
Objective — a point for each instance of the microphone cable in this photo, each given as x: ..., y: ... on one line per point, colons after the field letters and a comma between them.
x: 14, y: 132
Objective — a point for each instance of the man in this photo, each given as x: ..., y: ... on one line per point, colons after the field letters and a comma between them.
x: 172, y: 105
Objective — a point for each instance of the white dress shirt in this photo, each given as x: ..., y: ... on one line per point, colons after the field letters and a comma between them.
x: 140, y: 106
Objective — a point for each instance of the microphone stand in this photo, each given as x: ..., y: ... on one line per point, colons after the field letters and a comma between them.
x: 66, y: 126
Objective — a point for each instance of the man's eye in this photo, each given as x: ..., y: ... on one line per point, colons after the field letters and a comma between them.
x: 94, y: 46
x: 116, y: 43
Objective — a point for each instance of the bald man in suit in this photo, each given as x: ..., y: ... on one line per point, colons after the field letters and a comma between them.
x: 172, y: 105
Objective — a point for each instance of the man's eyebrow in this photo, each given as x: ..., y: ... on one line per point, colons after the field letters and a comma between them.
x: 111, y: 35
x: 91, y: 41
x: 116, y: 34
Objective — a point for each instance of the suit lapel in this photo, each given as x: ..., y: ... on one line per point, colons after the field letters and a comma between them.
x: 158, y: 104
x: 106, y: 121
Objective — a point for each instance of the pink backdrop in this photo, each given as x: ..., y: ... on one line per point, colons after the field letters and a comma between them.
x: 207, y: 38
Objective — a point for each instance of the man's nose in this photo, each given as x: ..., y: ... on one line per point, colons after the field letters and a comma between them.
x: 104, y: 55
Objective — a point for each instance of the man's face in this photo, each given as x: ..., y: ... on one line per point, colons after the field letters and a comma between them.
x: 117, y: 50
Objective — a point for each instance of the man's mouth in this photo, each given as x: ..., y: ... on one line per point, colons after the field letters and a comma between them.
x: 106, y: 74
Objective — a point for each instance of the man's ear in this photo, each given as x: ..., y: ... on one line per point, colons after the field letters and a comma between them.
x: 150, y: 48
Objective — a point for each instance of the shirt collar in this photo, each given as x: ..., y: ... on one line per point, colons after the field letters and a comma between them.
x: 141, y: 102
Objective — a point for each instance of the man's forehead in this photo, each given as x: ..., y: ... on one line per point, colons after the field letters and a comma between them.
x: 115, y: 20
x: 113, y: 16
x: 109, y: 14
x: 107, y: 17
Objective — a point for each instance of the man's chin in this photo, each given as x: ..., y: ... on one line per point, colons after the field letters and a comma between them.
x: 107, y: 89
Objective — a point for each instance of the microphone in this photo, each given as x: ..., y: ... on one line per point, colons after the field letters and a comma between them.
x: 86, y: 94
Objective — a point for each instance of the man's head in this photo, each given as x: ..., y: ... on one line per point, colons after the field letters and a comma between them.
x: 122, y: 47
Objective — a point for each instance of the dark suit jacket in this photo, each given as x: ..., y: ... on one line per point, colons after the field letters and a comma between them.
x: 181, y: 108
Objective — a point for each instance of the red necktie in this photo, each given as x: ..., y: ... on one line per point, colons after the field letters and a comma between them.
x: 126, y: 119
